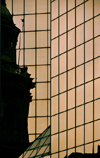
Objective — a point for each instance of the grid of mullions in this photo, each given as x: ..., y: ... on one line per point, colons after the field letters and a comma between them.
x: 75, y: 76
x: 33, y: 51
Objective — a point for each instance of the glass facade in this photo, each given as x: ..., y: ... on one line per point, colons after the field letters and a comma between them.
x: 33, y: 51
x: 74, y: 59
x: 75, y: 76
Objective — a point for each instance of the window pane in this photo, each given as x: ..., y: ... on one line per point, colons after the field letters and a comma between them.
x: 54, y: 7
x: 31, y: 70
x: 96, y: 7
x: 71, y: 138
x: 18, y: 9
x: 71, y: 78
x: 18, y: 22
x: 96, y: 47
x: 79, y: 14
x: 54, y: 104
x: 62, y: 118
x: 71, y: 39
x: 54, y: 86
x: 88, y: 9
x: 88, y: 112
x: 71, y: 4
x: 71, y: 102
x: 29, y: 22
x: 41, y: 56
x: 54, y: 122
x: 54, y: 47
x: 62, y: 43
x: 96, y: 130
x: 80, y: 95
x: 41, y: 73
x: 80, y: 135
x: 29, y: 6
x: 79, y: 31
x: 79, y: 75
x: 88, y: 91
x: 88, y: 148
x: 41, y: 6
x: 29, y: 43
x: 29, y: 56
x: 62, y: 6
x: 62, y: 141
x: 71, y: 19
x: 80, y: 149
x: 41, y: 124
x: 42, y: 22
x: 32, y: 109
x: 89, y: 50
x: 97, y: 88
x: 89, y: 71
x: 79, y: 115
x: 63, y: 81
x: 62, y: 102
x: 54, y: 66
x: 96, y: 26
x: 54, y: 148
x: 42, y: 39
x: 31, y: 125
x: 97, y: 67
x: 71, y: 59
x: 79, y: 1
x: 31, y: 138
x: 54, y: 30
x: 62, y: 62
x: 41, y: 90
x: 88, y: 132
x: 97, y: 109
x: 71, y: 118
x: 9, y: 5
x: 80, y: 55
x: 41, y: 107
x: 62, y: 24
x: 88, y: 30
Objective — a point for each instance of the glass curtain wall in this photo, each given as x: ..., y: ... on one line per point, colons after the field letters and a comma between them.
x: 75, y: 76
x: 33, y: 51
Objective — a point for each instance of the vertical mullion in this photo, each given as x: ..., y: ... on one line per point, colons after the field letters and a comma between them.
x: 67, y: 77
x: 84, y: 76
x: 58, y: 71
x: 75, y: 75
x: 35, y: 66
x: 93, y: 76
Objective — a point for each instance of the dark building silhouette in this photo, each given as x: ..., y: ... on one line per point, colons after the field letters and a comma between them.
x: 15, y: 91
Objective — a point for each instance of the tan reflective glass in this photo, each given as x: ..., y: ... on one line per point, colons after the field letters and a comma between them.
x: 41, y: 108
x: 42, y: 22
x: 31, y: 125
x: 62, y: 59
x: 62, y: 23
x: 54, y: 7
x: 88, y: 132
x: 88, y: 148
x: 41, y: 124
x: 30, y: 43
x: 80, y: 149
x: 41, y: 73
x: 54, y: 127
x: 62, y: 118
x: 89, y: 71
x: 54, y: 86
x: 41, y: 90
x: 71, y: 4
x: 88, y: 112
x: 79, y: 115
x: 29, y: 22
x: 42, y: 39
x: 71, y: 39
x: 62, y: 102
x: 71, y: 118
x: 96, y: 109
x: 54, y: 48
x: 96, y: 130
x: 97, y: 88
x: 41, y: 6
x: 32, y: 109
x: 71, y: 19
x: 63, y: 81
x: 62, y: 141
x: 71, y: 138
x: 80, y: 34
x: 89, y: 30
x: 96, y: 26
x: 54, y: 148
x: 96, y: 47
x: 29, y: 56
x: 9, y: 5
x: 54, y: 105
x: 71, y: 102
x: 71, y: 78
x: 79, y: 135
x: 88, y: 91
x: 62, y: 39
x: 71, y: 59
x: 54, y: 28
x: 88, y: 9
x: 79, y: 75
x: 18, y: 22
x: 54, y: 66
x: 96, y: 67
x: 79, y: 14
x: 18, y: 9
x: 80, y: 95
x: 62, y: 6
x: 96, y: 7
x: 29, y: 6
x: 89, y: 50
x: 80, y: 55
